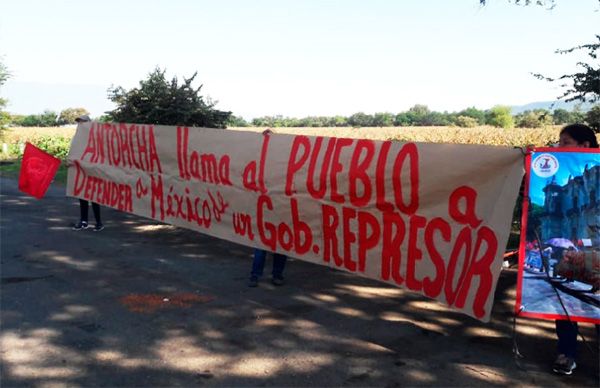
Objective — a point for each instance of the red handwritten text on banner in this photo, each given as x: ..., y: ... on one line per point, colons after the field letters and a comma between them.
x: 429, y: 217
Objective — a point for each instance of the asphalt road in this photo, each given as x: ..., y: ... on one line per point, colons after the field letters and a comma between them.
x: 145, y: 304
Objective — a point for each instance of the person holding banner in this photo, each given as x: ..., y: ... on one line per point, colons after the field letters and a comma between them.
x: 582, y: 136
x: 258, y: 265
x: 84, y: 205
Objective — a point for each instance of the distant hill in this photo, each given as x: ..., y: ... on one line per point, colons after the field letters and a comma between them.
x: 546, y: 105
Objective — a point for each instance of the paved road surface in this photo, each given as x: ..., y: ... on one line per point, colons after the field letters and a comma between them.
x: 143, y: 304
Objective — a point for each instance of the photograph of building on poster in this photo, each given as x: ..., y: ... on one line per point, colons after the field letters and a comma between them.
x: 562, y: 244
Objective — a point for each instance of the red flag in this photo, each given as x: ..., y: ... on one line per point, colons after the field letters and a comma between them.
x: 37, y: 171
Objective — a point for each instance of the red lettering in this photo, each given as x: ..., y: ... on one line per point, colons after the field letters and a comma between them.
x: 380, y: 180
x: 348, y: 214
x: 433, y: 287
x: 249, y: 176
x: 391, y: 254
x: 358, y: 172
x: 125, y: 145
x: 153, y: 152
x: 131, y: 131
x: 156, y: 188
x: 369, y: 233
x: 209, y: 168
x: 142, y: 149
x: 302, y: 233
x: 90, y: 147
x: 330, y: 241
x: 414, y: 254
x: 194, y: 168
x: 263, y: 160
x: 336, y: 168
x: 285, y: 242
x: 99, y: 145
x: 482, y: 268
x: 409, y: 151
x: 310, y: 185
x: 468, y: 217
x: 115, y: 146
x: 269, y: 239
x: 295, y: 163
x: 79, y: 179
x: 463, y: 242
x: 224, y: 170
x: 180, y: 152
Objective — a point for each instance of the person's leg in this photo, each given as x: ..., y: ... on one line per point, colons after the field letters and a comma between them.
x: 258, y: 265
x: 83, y: 210
x: 566, y: 332
x: 278, y: 265
x: 96, y: 209
x: 83, y: 216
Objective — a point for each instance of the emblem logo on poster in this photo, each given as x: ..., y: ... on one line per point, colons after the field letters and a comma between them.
x: 545, y: 165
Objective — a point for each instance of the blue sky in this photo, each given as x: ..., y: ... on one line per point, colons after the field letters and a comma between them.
x: 294, y: 58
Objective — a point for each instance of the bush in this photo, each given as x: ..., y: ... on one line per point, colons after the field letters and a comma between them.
x: 592, y: 118
x: 57, y: 146
x: 500, y: 116
x: 534, y: 119
x: 236, y: 121
x: 466, y: 122
x: 68, y: 116
x: 46, y: 119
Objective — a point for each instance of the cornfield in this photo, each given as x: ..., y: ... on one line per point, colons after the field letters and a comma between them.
x: 515, y: 137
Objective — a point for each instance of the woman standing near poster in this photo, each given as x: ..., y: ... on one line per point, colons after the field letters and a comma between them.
x: 581, y: 136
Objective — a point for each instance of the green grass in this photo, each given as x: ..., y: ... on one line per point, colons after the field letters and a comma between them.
x: 12, y: 167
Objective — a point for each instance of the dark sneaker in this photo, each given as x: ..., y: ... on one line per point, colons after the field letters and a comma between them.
x: 98, y: 227
x: 564, y: 365
x: 81, y: 225
x: 277, y: 281
x: 253, y: 282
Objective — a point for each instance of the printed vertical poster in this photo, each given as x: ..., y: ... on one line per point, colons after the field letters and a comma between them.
x: 559, y: 260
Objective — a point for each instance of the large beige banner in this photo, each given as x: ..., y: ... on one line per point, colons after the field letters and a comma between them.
x: 433, y: 218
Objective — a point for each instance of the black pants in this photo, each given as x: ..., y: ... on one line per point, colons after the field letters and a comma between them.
x: 83, y: 208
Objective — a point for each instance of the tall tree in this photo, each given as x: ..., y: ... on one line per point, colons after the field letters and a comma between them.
x: 159, y: 101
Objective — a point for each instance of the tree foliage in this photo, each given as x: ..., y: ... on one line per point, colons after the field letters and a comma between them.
x: 4, y: 76
x: 592, y: 118
x: 534, y: 118
x: 544, y: 3
x: 466, y: 122
x: 583, y: 85
x: 47, y: 119
x: 68, y: 116
x: 159, y: 101
x: 499, y: 116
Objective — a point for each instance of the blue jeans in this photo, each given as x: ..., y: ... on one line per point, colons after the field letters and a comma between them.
x: 258, y: 264
x: 567, y: 338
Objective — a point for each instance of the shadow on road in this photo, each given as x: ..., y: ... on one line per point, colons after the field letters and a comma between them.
x: 64, y: 319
